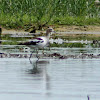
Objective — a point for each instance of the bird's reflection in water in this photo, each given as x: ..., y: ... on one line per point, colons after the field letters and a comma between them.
x: 35, y: 69
x: 38, y: 67
x: 39, y: 70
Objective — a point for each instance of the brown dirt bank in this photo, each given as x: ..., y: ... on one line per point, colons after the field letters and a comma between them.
x: 64, y: 28
x: 61, y: 28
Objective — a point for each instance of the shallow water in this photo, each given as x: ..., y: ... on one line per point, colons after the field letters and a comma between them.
x: 16, y: 49
x: 50, y: 79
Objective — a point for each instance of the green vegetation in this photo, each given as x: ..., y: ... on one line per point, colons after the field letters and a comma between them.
x: 14, y: 40
x: 39, y: 13
x: 80, y: 20
x: 35, y: 14
x: 71, y: 37
x: 68, y: 45
x: 11, y: 40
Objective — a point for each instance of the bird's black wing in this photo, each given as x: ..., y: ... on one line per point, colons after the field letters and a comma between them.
x: 33, y: 42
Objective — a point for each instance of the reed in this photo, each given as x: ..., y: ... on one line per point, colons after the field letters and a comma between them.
x: 0, y: 34
x: 21, y: 13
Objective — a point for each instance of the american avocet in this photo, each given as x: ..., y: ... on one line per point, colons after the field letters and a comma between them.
x: 39, y: 42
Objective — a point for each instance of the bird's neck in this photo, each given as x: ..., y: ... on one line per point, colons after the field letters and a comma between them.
x: 47, y: 35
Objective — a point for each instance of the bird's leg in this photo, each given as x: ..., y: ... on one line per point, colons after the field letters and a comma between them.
x: 49, y: 47
x: 31, y: 55
x: 37, y: 54
x: 43, y: 51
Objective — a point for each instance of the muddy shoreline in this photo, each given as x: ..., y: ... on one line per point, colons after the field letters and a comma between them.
x: 61, y: 29
x: 52, y: 56
x: 66, y: 33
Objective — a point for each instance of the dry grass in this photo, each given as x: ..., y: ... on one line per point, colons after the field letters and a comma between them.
x: 65, y: 28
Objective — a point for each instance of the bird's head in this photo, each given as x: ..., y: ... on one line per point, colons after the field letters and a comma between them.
x: 50, y: 30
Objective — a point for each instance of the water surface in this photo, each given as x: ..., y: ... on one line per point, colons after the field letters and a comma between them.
x: 49, y: 79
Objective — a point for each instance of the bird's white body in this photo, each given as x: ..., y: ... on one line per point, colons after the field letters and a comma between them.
x: 39, y: 42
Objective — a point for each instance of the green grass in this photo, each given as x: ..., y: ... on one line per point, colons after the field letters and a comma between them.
x: 72, y: 37
x: 77, y: 45
x: 80, y: 20
x: 69, y: 37
x: 26, y: 13
x: 14, y: 41
x: 23, y: 14
x: 11, y: 40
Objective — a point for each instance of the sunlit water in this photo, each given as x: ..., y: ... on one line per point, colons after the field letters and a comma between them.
x: 50, y: 79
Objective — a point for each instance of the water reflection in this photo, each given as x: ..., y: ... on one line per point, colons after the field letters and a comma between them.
x: 49, y: 79
x: 35, y: 69
x: 38, y: 66
x: 39, y: 71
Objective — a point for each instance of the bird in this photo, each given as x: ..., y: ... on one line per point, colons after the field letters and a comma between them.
x: 39, y: 42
